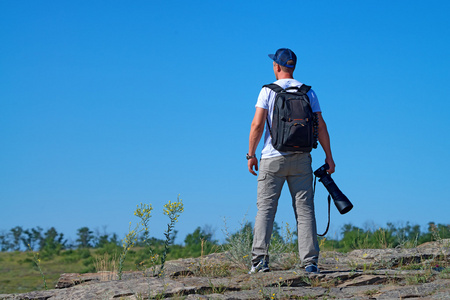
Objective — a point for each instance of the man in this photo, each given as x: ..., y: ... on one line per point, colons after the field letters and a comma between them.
x: 277, y: 167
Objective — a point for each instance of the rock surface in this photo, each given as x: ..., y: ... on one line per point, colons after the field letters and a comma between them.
x: 421, y: 272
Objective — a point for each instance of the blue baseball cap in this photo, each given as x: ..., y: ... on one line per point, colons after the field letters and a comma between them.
x: 282, y: 56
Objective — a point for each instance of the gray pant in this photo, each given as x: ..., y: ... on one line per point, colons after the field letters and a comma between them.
x: 273, y: 172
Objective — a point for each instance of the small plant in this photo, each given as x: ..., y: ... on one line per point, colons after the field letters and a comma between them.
x: 268, y: 287
x: 419, y: 278
x: 311, y: 281
x: 149, y: 269
x: 435, y: 233
x: 445, y: 273
x: 144, y: 213
x: 267, y: 293
x: 239, y: 245
x: 211, y: 269
x: 370, y: 292
x: 353, y: 265
x: 382, y: 236
x: 106, y: 266
x: 173, y: 211
x: 412, y: 267
x: 37, y: 262
x: 367, y: 267
x: 217, y: 289
x: 331, y: 283
x: 407, y: 243
x: 127, y: 243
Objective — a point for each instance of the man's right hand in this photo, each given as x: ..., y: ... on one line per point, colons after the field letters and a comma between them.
x: 256, y: 131
x: 331, y: 165
x: 253, y: 162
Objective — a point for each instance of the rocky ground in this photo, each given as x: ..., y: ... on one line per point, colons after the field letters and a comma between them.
x: 422, y: 272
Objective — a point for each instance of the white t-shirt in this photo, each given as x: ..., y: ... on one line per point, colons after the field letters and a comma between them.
x: 266, y: 100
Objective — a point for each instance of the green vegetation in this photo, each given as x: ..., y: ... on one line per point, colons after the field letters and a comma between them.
x: 32, y: 259
x: 390, y: 237
x: 19, y: 273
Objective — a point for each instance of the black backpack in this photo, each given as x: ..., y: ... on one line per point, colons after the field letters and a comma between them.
x: 294, y: 125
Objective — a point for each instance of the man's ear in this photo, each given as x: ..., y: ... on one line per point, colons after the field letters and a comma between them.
x: 276, y: 67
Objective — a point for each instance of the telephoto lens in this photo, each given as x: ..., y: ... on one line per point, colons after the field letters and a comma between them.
x: 340, y: 200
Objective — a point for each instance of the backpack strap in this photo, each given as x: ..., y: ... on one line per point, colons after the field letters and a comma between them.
x: 304, y: 88
x: 274, y: 87
x: 277, y: 89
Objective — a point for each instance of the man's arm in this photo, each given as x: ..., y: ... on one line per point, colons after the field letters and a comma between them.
x: 324, y: 139
x: 256, y: 131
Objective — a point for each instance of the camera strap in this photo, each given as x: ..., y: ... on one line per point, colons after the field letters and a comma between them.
x: 329, y: 205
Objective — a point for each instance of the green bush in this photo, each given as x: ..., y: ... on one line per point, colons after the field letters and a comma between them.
x: 83, y: 253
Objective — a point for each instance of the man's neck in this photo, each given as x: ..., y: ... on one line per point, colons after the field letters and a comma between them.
x: 284, y: 76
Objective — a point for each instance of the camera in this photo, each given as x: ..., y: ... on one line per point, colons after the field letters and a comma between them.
x: 340, y: 200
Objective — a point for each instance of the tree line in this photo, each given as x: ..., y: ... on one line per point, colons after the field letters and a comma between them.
x: 51, y: 241
x: 36, y: 239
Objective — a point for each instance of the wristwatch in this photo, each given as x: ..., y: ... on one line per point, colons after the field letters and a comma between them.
x: 250, y: 156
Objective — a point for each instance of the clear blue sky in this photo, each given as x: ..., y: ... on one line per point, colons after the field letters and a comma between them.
x: 106, y: 104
